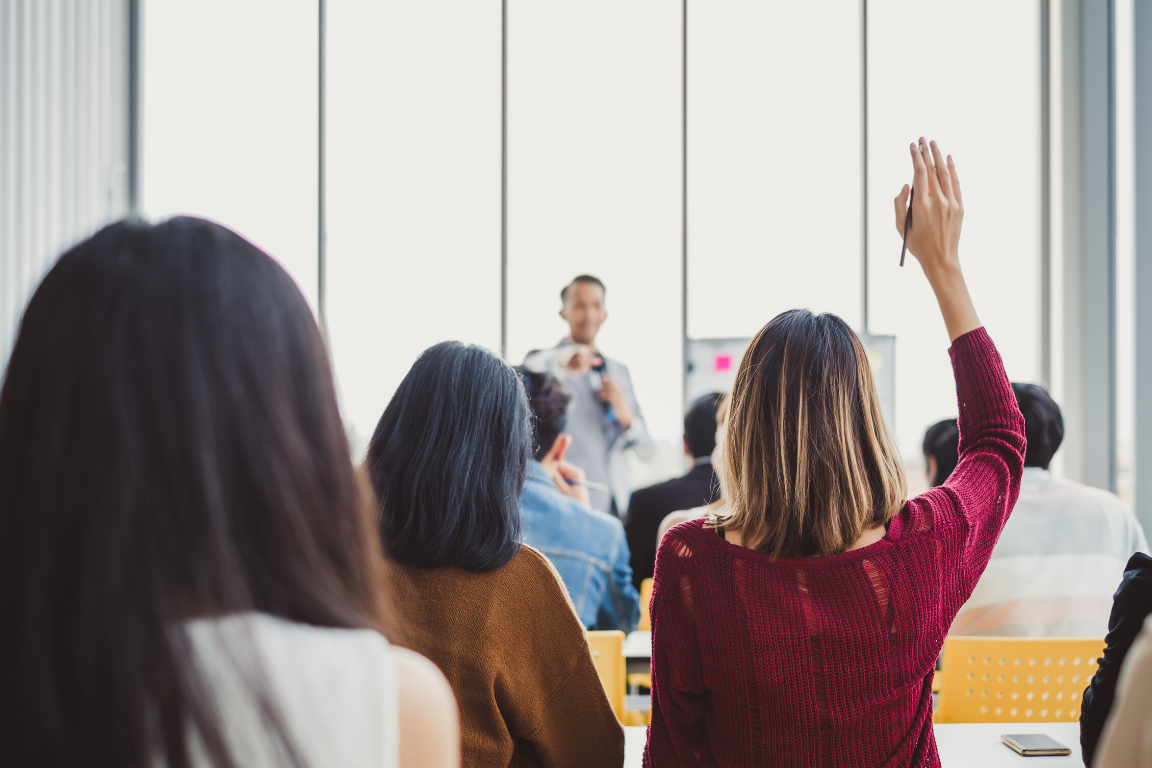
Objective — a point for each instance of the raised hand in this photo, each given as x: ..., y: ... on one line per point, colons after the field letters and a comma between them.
x: 934, y: 238
x: 937, y: 211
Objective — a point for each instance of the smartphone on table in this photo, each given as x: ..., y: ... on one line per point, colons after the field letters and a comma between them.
x: 1035, y: 744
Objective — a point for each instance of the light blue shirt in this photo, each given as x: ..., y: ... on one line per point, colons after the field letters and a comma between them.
x: 588, y: 549
x: 598, y: 442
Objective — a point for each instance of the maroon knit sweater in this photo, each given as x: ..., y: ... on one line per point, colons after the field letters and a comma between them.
x: 828, y: 661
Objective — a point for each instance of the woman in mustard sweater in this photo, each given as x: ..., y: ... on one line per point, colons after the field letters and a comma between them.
x: 448, y: 461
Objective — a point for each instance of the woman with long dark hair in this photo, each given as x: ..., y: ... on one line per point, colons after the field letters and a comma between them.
x: 448, y: 461
x: 802, y: 624
x: 188, y: 573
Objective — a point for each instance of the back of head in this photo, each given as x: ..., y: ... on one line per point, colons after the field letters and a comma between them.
x: 549, y: 403
x: 808, y: 462
x: 942, y: 443
x: 1043, y: 424
x: 700, y: 424
x: 170, y: 447
x: 448, y: 460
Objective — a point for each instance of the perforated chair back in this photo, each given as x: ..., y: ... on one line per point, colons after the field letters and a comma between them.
x: 645, y: 624
x: 608, y: 656
x: 1015, y: 679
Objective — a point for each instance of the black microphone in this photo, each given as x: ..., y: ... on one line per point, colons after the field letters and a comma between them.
x: 600, y: 368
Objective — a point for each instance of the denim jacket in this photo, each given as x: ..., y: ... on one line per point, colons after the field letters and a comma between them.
x: 588, y: 549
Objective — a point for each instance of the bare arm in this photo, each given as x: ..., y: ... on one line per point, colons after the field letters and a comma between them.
x: 934, y: 237
x: 429, y: 725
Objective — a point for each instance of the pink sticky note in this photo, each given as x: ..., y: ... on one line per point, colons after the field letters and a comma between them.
x: 723, y: 362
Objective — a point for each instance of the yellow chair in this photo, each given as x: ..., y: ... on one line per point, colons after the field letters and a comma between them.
x: 645, y: 624
x: 608, y: 656
x: 1015, y: 679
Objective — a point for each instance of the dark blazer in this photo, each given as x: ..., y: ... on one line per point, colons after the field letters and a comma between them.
x: 1130, y: 605
x: 649, y: 506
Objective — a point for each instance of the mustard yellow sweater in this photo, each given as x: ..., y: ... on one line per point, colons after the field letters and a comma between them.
x: 516, y: 655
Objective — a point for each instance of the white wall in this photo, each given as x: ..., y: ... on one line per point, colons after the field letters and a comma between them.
x: 413, y: 137
x: 968, y: 75
x: 594, y: 183
x: 774, y: 167
x: 230, y: 121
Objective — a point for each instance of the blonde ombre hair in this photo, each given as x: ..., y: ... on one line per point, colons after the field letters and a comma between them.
x: 807, y: 460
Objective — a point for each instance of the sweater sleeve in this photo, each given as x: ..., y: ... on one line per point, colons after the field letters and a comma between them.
x: 986, y: 482
x: 557, y: 701
x: 677, y: 734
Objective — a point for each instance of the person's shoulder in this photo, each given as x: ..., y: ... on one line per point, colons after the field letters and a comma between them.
x: 688, y: 539
x: 296, y: 654
x: 333, y: 646
x: 427, y: 712
x: 557, y: 503
x: 1098, y: 501
x: 643, y: 498
x: 616, y: 367
x: 1072, y: 487
x: 541, y: 494
x: 531, y: 585
x: 662, y: 491
x: 529, y: 566
x: 600, y: 519
x: 1137, y: 575
x: 1139, y: 562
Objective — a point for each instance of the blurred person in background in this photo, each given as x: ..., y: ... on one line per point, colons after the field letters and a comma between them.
x: 1057, y: 563
x: 674, y: 519
x: 587, y: 546
x: 649, y: 506
x: 188, y: 572
x: 448, y: 461
x: 603, y: 415
x: 941, y: 451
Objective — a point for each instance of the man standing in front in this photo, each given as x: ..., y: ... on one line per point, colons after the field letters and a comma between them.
x: 603, y: 416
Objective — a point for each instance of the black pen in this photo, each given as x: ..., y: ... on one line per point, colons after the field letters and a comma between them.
x: 907, y: 223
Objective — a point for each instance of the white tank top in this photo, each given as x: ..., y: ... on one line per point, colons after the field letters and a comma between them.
x: 335, y: 690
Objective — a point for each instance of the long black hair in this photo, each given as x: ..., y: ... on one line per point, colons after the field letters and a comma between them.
x: 448, y: 460
x: 170, y: 448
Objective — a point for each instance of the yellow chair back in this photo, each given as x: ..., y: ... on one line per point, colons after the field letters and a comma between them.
x: 608, y: 655
x: 645, y: 624
x: 1015, y: 679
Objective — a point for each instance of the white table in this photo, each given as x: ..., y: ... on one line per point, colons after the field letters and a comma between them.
x: 961, y: 745
x: 638, y: 645
x: 978, y: 744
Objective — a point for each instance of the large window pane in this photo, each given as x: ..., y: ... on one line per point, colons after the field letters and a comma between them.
x: 594, y: 182
x: 773, y: 162
x: 230, y: 121
x: 967, y: 75
x: 413, y: 193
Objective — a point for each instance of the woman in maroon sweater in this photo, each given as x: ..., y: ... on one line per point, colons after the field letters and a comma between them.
x: 802, y: 627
